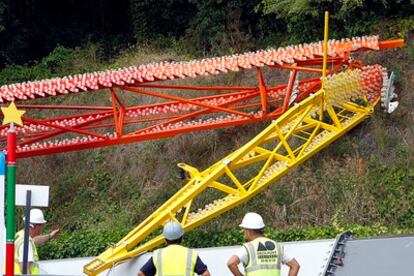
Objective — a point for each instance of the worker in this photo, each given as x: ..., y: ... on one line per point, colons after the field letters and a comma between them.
x: 174, y: 259
x: 260, y: 256
x: 37, y: 223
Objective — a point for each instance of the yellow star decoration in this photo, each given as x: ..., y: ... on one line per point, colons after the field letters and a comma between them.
x: 12, y: 115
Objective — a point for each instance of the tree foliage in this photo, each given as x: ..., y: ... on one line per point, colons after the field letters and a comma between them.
x: 304, y: 18
x: 33, y: 28
x: 153, y: 18
x: 30, y: 29
x: 218, y: 25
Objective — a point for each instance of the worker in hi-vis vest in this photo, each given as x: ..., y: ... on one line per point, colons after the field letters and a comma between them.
x: 37, y: 223
x: 174, y: 259
x: 260, y: 256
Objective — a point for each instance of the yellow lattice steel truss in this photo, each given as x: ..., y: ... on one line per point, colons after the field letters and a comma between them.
x: 309, y: 126
x: 346, y: 99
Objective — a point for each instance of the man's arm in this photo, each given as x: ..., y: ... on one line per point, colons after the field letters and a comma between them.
x: 44, y: 238
x: 294, y: 267
x: 232, y: 264
x: 148, y: 269
x: 200, y: 268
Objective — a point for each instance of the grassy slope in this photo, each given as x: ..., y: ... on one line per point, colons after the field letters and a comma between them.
x: 118, y: 187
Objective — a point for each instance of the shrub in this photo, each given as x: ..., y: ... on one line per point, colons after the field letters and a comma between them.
x: 93, y: 242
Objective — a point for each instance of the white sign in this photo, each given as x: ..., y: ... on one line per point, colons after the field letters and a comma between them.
x: 40, y: 195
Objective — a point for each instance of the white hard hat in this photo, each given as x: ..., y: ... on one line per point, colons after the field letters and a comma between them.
x: 252, y: 221
x: 172, y: 231
x: 36, y: 217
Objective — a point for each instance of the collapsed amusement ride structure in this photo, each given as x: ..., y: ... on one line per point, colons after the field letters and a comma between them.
x: 307, y: 115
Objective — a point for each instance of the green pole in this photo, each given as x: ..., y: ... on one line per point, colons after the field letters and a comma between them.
x: 11, y: 199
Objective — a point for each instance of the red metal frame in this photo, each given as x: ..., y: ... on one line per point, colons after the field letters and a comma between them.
x: 97, y: 126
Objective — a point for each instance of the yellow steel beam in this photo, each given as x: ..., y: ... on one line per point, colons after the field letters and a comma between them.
x: 224, y: 188
x: 325, y: 48
x: 242, y: 174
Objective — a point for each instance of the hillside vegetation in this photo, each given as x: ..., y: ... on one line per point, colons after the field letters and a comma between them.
x: 98, y: 195
x: 110, y: 190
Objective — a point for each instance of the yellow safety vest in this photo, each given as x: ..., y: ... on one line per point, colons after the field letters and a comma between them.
x: 19, y: 240
x: 264, y: 257
x: 175, y: 260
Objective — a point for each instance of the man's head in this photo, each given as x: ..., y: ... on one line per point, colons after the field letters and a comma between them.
x: 173, y: 232
x: 37, y: 222
x: 253, y: 226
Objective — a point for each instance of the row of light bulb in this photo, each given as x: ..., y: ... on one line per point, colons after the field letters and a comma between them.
x: 211, y: 207
x: 273, y: 170
x: 373, y: 77
x: 200, y: 122
x: 164, y: 71
x: 57, y: 143
x: 318, y: 139
x: 29, y: 128
x: 342, y: 87
x: 181, y: 107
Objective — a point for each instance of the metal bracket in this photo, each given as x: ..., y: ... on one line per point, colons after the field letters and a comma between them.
x: 388, y: 94
x: 187, y: 172
x: 295, y: 90
x: 337, y: 254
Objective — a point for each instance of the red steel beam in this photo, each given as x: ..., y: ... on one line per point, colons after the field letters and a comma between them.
x: 193, y: 114
x: 155, y: 119
x: 289, y: 90
x: 63, y: 107
x: 118, y: 111
x: 192, y: 87
x: 263, y: 90
x: 126, y: 139
x: 58, y: 132
x: 170, y: 97
x: 292, y: 60
x: 391, y: 43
